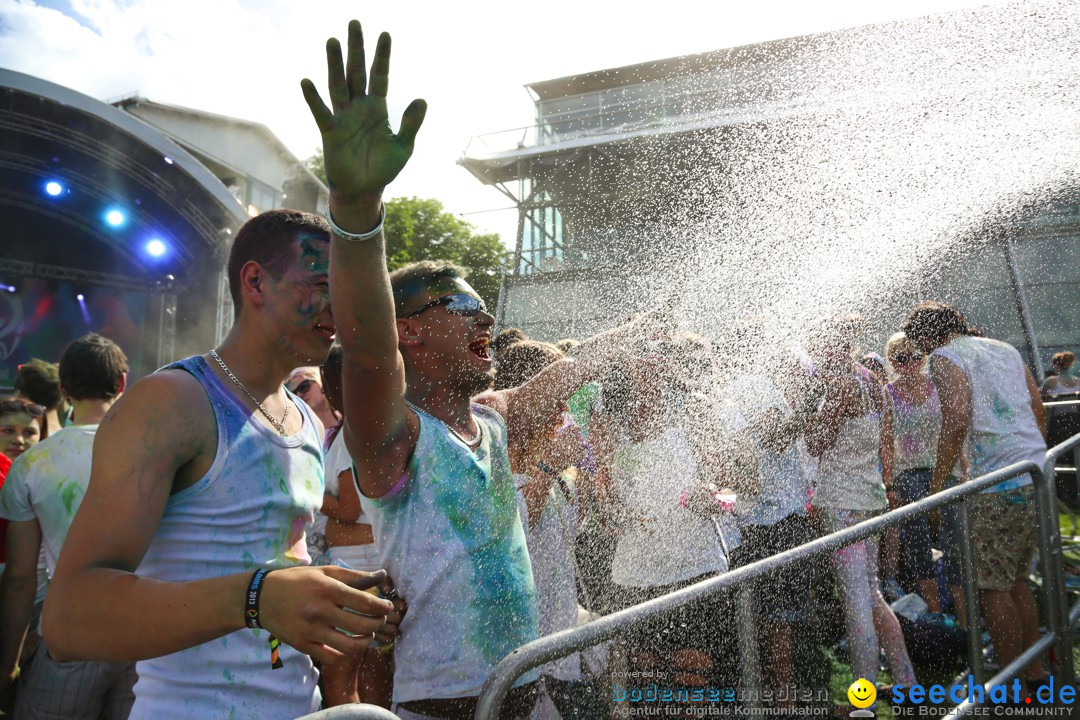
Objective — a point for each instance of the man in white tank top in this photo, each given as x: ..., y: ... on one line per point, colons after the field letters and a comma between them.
x: 992, y: 412
x: 433, y: 466
x: 204, y: 477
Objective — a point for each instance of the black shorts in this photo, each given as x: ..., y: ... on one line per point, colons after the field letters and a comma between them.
x: 781, y: 595
x: 707, y: 626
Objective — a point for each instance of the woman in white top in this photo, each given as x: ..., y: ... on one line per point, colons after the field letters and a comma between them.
x: 854, y: 440
x: 365, y: 677
x: 1063, y: 421
x: 663, y: 446
x: 551, y: 472
x: 916, y: 424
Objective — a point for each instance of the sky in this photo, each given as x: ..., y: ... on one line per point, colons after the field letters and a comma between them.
x: 469, y: 60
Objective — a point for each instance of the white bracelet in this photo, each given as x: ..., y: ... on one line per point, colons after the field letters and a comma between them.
x: 355, y: 237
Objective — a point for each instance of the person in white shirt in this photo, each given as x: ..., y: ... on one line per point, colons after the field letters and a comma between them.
x: 44, y: 489
x: 669, y: 450
x: 854, y: 439
x: 551, y: 469
x: 991, y: 412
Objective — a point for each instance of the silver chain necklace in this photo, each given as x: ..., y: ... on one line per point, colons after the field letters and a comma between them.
x: 279, y: 426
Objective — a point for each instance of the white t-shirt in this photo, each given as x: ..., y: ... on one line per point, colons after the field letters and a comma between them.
x: 785, y: 486
x: 48, y: 482
x: 551, y: 550
x: 666, y: 543
x: 1003, y: 429
x: 450, y: 537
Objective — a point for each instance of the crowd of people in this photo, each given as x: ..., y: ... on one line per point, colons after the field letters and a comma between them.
x: 391, y: 493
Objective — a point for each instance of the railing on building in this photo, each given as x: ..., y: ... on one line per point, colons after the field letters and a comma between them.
x: 1059, y: 618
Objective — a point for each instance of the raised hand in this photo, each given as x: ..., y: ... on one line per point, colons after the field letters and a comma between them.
x: 362, y: 153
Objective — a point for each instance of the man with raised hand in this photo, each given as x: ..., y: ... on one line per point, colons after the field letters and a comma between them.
x: 432, y: 465
x: 188, y: 552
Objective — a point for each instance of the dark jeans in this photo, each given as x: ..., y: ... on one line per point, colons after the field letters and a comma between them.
x: 915, y: 537
x: 782, y: 595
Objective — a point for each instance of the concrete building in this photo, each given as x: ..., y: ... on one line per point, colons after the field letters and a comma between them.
x: 613, y: 154
x: 246, y: 156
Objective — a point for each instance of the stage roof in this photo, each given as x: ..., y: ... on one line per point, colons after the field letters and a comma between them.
x: 86, y: 186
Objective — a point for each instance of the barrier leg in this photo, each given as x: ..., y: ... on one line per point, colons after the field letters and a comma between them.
x: 971, y: 592
x: 749, y: 659
x: 1053, y: 574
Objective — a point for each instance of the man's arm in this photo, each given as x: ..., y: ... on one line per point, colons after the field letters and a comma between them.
x: 1037, y: 406
x: 18, y: 585
x: 533, y: 403
x: 98, y: 608
x: 724, y: 458
x: 841, y: 402
x: 777, y: 432
x: 954, y: 391
x: 362, y: 157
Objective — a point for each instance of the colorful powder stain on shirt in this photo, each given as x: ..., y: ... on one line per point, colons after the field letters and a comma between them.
x: 453, y: 543
x: 48, y: 483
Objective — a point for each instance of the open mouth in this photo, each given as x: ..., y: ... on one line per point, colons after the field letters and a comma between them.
x: 479, y: 348
x: 326, y: 331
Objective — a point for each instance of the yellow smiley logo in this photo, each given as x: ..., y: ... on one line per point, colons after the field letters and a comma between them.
x: 862, y: 693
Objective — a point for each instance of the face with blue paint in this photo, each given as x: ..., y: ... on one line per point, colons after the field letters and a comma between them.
x: 441, y: 345
x: 297, y: 302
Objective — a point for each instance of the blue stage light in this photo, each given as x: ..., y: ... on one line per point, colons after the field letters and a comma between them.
x: 54, y: 188
x: 8, y: 288
x: 80, y: 297
x: 115, y: 218
x: 156, y: 248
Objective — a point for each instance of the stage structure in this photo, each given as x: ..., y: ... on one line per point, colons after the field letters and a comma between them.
x: 592, y: 196
x: 108, y: 226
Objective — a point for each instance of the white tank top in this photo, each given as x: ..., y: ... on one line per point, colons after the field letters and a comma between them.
x: 1003, y: 430
x: 249, y: 511
x: 849, y: 474
x: 1065, y: 385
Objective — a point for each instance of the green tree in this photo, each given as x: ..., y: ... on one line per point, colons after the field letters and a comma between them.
x: 421, y: 229
x: 317, y: 165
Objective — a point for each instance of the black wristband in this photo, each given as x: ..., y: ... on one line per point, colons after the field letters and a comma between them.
x: 254, y: 591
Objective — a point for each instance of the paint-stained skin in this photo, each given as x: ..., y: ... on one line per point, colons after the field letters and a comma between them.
x: 300, y: 300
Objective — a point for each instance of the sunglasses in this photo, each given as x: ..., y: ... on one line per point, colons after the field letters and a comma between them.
x: 903, y: 358
x: 303, y: 387
x: 456, y: 304
x: 16, y: 406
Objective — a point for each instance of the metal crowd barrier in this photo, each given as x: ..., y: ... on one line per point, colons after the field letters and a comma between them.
x: 1058, y: 615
